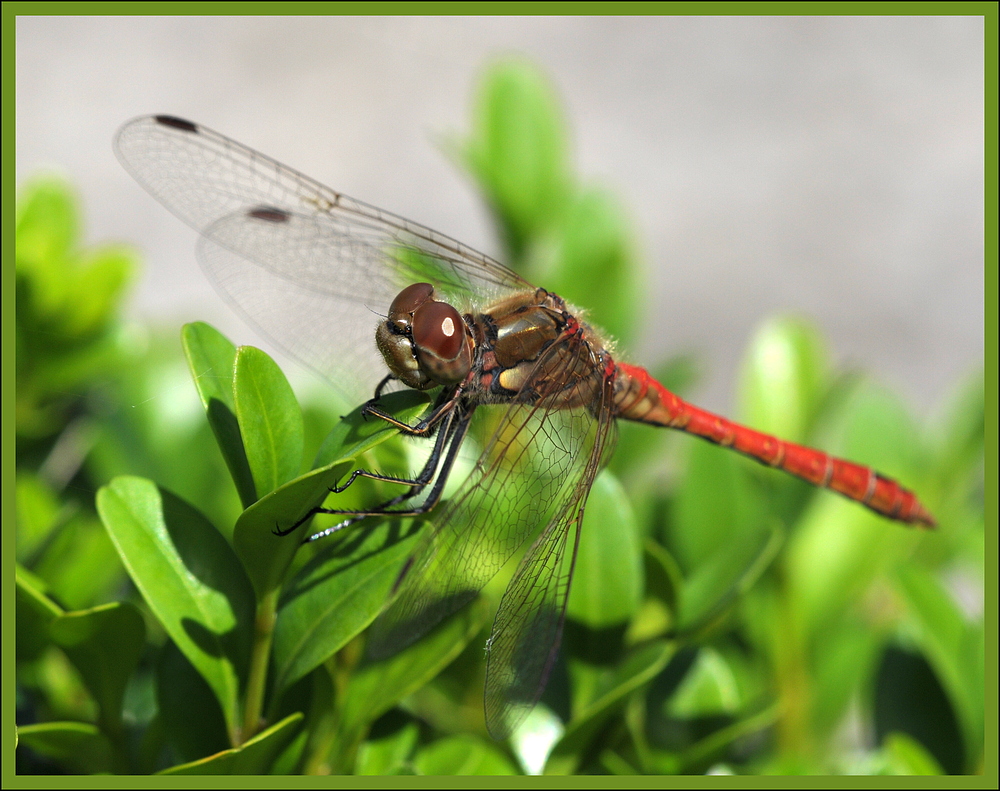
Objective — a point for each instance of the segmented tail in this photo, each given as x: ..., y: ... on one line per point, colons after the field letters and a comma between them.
x: 639, y: 397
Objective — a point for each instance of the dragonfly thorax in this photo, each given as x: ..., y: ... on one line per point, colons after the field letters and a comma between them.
x: 424, y: 342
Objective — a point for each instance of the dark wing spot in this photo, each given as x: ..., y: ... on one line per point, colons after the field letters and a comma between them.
x: 176, y: 123
x: 269, y: 214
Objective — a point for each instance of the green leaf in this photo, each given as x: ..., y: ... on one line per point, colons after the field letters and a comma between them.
x: 104, y: 644
x: 270, y: 420
x: 594, y: 265
x: 79, y: 746
x: 785, y: 375
x: 189, y: 713
x: 189, y: 577
x: 377, y: 686
x: 38, y: 512
x: 34, y: 611
x: 253, y: 757
x: 715, y: 508
x: 839, y: 547
x: 717, y: 583
x: 904, y: 755
x: 462, y: 755
x: 265, y: 555
x: 609, y: 577
x: 47, y: 223
x: 80, y: 564
x: 388, y: 755
x: 517, y: 151
x: 211, y: 357
x: 102, y: 274
x: 708, y: 689
x: 953, y: 647
x: 640, y: 667
x: 337, y: 594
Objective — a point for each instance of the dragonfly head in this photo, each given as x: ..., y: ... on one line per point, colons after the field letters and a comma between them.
x: 424, y: 342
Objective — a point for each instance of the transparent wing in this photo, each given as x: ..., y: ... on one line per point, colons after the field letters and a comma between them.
x: 310, y: 268
x: 534, y: 472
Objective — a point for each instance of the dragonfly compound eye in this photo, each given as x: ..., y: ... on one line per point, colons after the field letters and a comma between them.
x: 407, y: 301
x: 442, y: 344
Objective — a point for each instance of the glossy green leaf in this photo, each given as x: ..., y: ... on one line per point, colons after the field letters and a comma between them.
x: 190, y: 717
x: 212, y: 359
x: 377, y: 686
x: 638, y: 668
x: 462, y: 755
x: 517, y: 151
x: 189, y: 577
x: 104, y: 644
x: 608, y: 580
x: 265, y: 555
x: 784, y: 376
x: 337, y: 594
x: 953, y: 646
x: 253, y: 757
x: 355, y: 434
x: 270, y: 420
x: 79, y: 746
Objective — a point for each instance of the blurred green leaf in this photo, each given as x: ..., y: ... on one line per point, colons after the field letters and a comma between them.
x: 270, y: 420
x: 38, y: 511
x: 517, y: 152
x: 253, y: 757
x: 717, y: 582
x: 34, y: 611
x: 708, y: 689
x: 609, y: 575
x: 337, y: 594
x: 80, y: 564
x: 47, y: 223
x: 844, y: 654
x: 903, y: 755
x: 387, y: 755
x: 784, y: 376
x: 212, y: 359
x: 954, y: 648
x: 79, y: 746
x: 104, y: 643
x: 638, y: 668
x: 189, y: 577
x: 715, y: 508
x: 462, y: 755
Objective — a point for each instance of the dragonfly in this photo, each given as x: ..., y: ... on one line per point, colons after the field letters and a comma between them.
x: 371, y: 300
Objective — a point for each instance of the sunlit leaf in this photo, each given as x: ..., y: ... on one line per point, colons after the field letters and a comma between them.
x: 253, y: 757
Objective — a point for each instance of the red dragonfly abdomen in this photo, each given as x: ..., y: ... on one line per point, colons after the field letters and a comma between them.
x: 639, y: 397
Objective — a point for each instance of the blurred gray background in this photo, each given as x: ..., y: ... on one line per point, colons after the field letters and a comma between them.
x: 831, y: 167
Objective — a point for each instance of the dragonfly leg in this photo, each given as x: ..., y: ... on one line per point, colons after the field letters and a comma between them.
x: 453, y: 432
x: 445, y: 404
x: 456, y: 434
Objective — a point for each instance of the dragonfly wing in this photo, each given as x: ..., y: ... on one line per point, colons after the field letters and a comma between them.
x: 284, y: 249
x: 528, y: 626
x: 534, y: 472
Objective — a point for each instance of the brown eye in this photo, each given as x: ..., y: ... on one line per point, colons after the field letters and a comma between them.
x: 408, y: 300
x: 438, y: 328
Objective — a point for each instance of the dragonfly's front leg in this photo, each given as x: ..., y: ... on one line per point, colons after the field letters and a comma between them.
x: 452, y: 431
